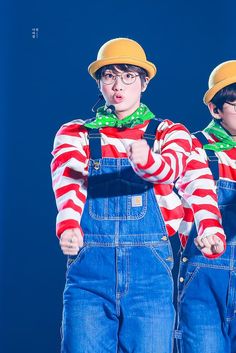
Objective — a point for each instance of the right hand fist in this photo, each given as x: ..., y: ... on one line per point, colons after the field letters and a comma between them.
x: 71, y: 241
x: 138, y: 152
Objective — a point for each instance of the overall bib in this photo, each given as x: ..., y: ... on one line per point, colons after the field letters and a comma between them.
x: 119, y: 288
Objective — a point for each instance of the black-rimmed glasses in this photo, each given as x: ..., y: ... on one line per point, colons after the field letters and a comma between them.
x: 233, y: 104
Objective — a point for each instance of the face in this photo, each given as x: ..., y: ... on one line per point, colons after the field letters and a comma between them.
x: 124, y: 97
x: 227, y: 116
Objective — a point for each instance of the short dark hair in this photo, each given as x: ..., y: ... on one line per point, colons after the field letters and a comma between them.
x: 226, y: 94
x: 122, y: 67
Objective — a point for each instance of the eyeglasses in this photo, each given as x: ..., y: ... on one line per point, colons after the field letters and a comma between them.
x: 126, y: 77
x: 233, y: 104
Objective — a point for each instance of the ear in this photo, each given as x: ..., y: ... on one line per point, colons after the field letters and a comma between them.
x: 145, y: 84
x: 216, y: 113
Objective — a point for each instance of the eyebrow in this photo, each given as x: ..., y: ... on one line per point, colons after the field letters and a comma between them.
x: 108, y: 71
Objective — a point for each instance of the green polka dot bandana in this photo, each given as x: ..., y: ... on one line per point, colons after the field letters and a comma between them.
x: 226, y: 141
x: 104, y: 119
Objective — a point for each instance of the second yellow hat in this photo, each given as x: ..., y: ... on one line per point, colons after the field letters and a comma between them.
x: 222, y: 76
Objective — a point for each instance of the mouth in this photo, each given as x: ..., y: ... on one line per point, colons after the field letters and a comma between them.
x: 118, y: 98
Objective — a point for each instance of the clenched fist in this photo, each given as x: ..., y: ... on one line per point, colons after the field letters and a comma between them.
x: 71, y: 241
x: 209, y: 245
x: 138, y: 152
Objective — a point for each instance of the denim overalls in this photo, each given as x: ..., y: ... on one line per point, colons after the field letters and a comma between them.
x: 207, y: 287
x: 119, y: 289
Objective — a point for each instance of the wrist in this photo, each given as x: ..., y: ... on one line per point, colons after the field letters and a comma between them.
x: 66, y: 225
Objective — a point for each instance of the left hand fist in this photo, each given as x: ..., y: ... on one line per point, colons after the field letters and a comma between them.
x: 209, y: 245
x: 138, y: 152
x: 71, y: 241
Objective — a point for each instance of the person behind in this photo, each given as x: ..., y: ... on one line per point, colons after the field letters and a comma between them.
x: 113, y: 180
x: 207, y: 284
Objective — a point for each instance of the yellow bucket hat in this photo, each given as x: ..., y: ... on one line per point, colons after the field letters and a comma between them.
x: 222, y: 76
x: 122, y: 51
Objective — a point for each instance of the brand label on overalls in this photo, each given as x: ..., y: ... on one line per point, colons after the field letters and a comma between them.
x: 137, y: 201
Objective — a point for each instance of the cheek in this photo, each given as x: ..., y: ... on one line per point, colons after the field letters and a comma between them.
x: 136, y: 91
x: 103, y: 89
x: 230, y: 120
x: 106, y: 90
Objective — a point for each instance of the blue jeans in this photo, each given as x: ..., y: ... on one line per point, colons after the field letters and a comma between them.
x: 207, y: 289
x: 119, y: 299
x: 119, y: 289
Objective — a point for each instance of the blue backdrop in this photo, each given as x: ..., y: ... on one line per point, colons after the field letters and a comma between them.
x: 47, y: 47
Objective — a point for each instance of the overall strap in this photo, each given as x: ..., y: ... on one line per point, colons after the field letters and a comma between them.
x: 94, y: 137
x: 150, y: 133
x: 212, y: 158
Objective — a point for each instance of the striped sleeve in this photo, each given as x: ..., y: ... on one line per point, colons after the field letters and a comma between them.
x: 167, y: 160
x: 198, y: 192
x: 69, y: 169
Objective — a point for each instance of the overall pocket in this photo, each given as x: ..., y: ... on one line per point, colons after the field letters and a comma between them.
x: 118, y: 199
x: 73, y: 259
x: 164, y: 256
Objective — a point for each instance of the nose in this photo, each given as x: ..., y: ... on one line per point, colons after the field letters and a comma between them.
x: 118, y: 84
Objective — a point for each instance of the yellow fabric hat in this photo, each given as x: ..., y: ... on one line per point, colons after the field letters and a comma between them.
x: 122, y: 51
x: 222, y: 76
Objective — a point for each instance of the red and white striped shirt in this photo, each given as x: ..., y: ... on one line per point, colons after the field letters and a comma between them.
x: 165, y: 164
x: 198, y: 191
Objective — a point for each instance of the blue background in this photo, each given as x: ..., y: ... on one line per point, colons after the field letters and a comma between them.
x: 44, y: 84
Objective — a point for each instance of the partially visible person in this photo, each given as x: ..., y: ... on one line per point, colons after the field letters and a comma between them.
x: 207, y: 284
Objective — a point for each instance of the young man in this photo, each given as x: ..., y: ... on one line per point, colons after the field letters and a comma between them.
x: 113, y: 180
x: 207, y: 288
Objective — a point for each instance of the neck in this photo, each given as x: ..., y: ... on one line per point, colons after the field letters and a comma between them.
x: 123, y: 114
x: 231, y: 132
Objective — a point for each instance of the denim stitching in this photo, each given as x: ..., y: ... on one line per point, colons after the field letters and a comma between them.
x: 82, y: 251
x: 117, y: 292
x: 187, y: 283
x: 127, y: 282
x: 161, y: 261
x: 199, y: 264
x: 125, y: 244
x: 141, y: 214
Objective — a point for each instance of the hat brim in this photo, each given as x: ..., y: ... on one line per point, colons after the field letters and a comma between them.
x: 147, y: 65
x: 212, y: 91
